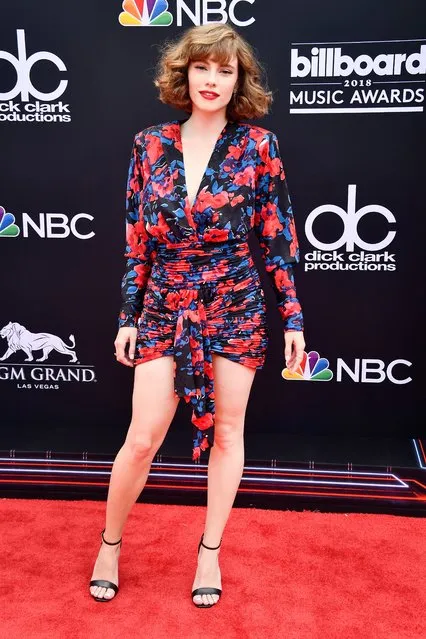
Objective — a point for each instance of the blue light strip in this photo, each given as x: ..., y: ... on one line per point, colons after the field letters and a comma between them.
x: 47, y: 460
x: 419, y: 459
x: 272, y: 480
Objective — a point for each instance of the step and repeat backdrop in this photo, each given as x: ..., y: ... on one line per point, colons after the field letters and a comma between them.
x: 349, y: 87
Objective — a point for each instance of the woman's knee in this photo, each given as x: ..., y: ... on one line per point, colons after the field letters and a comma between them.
x: 142, y: 445
x: 229, y: 434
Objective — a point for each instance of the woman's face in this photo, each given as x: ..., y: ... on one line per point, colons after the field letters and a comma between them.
x: 211, y: 84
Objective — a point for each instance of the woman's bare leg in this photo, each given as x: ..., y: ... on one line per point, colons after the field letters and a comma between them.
x: 153, y: 407
x: 232, y: 389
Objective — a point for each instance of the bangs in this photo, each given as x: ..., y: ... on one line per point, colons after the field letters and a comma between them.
x: 220, y: 51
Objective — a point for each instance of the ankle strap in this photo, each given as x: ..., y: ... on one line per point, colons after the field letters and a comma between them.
x: 114, y: 543
x: 209, y: 547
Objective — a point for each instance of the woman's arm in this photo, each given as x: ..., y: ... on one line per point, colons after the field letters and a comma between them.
x: 140, y: 246
x: 275, y: 229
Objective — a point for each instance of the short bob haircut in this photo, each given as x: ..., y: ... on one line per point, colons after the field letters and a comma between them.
x: 252, y: 98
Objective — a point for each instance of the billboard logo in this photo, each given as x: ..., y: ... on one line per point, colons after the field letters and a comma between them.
x: 329, y: 62
x: 327, y: 257
x: 155, y: 13
x: 43, y: 109
x: 358, y: 77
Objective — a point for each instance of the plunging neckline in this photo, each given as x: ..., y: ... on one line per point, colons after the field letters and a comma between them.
x: 180, y: 149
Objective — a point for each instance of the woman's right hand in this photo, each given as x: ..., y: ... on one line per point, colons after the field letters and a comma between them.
x: 126, y: 334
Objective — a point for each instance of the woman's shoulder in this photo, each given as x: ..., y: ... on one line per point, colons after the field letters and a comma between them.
x: 256, y: 128
x: 154, y: 129
x: 256, y: 131
x: 259, y: 134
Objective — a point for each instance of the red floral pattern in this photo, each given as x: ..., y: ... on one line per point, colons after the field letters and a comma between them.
x: 191, y: 286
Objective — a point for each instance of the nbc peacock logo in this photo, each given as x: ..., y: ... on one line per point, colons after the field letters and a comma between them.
x: 8, y: 228
x: 145, y: 13
x: 312, y: 368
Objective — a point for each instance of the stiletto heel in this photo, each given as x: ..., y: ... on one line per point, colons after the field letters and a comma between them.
x: 103, y: 583
x: 206, y: 590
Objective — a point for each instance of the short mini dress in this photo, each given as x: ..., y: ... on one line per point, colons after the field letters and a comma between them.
x: 191, y: 287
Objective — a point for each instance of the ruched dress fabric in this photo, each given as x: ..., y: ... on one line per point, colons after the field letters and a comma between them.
x: 191, y: 287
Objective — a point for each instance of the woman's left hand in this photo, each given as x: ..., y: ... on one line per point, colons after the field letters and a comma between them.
x: 294, y: 347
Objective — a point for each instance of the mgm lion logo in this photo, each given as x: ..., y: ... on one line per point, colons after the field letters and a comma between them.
x: 19, y: 338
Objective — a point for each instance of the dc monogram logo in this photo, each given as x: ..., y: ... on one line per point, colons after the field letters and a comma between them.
x: 23, y: 66
x: 350, y: 218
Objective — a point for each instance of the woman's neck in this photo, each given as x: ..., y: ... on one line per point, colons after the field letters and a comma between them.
x: 202, y: 123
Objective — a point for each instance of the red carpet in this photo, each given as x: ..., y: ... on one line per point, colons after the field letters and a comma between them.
x: 285, y: 574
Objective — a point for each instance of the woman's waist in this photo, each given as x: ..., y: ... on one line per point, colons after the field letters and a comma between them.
x: 195, y: 263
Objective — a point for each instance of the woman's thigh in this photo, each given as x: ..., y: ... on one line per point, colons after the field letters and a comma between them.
x: 233, y: 383
x: 154, y: 402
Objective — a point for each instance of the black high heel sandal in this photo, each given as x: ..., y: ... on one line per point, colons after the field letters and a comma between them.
x: 207, y: 590
x: 103, y: 583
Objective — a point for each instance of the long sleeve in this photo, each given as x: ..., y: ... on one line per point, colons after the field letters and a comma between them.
x: 275, y: 229
x: 140, y: 246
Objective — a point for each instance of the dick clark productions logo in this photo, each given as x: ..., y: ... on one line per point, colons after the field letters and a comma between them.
x: 341, y: 254
x: 16, y: 104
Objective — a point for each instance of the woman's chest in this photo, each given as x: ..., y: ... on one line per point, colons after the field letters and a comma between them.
x: 209, y: 196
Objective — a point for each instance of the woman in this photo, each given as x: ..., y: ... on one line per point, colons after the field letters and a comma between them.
x: 193, y: 306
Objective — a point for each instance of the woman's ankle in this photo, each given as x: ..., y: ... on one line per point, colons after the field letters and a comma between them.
x: 211, y: 539
x: 110, y: 550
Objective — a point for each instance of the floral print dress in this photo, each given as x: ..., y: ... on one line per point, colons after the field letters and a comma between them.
x: 191, y: 287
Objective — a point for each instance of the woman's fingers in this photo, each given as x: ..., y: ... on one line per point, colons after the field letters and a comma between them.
x: 294, y: 348
x: 125, y: 335
x: 121, y: 356
x: 287, y: 351
x: 119, y: 350
x: 132, y: 347
x: 298, y: 356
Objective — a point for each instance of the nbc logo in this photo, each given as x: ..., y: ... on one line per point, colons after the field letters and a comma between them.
x: 143, y: 13
x: 312, y: 368
x: 8, y: 228
x: 361, y: 370
x: 48, y: 225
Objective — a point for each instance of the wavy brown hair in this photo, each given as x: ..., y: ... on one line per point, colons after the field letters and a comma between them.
x: 221, y: 41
